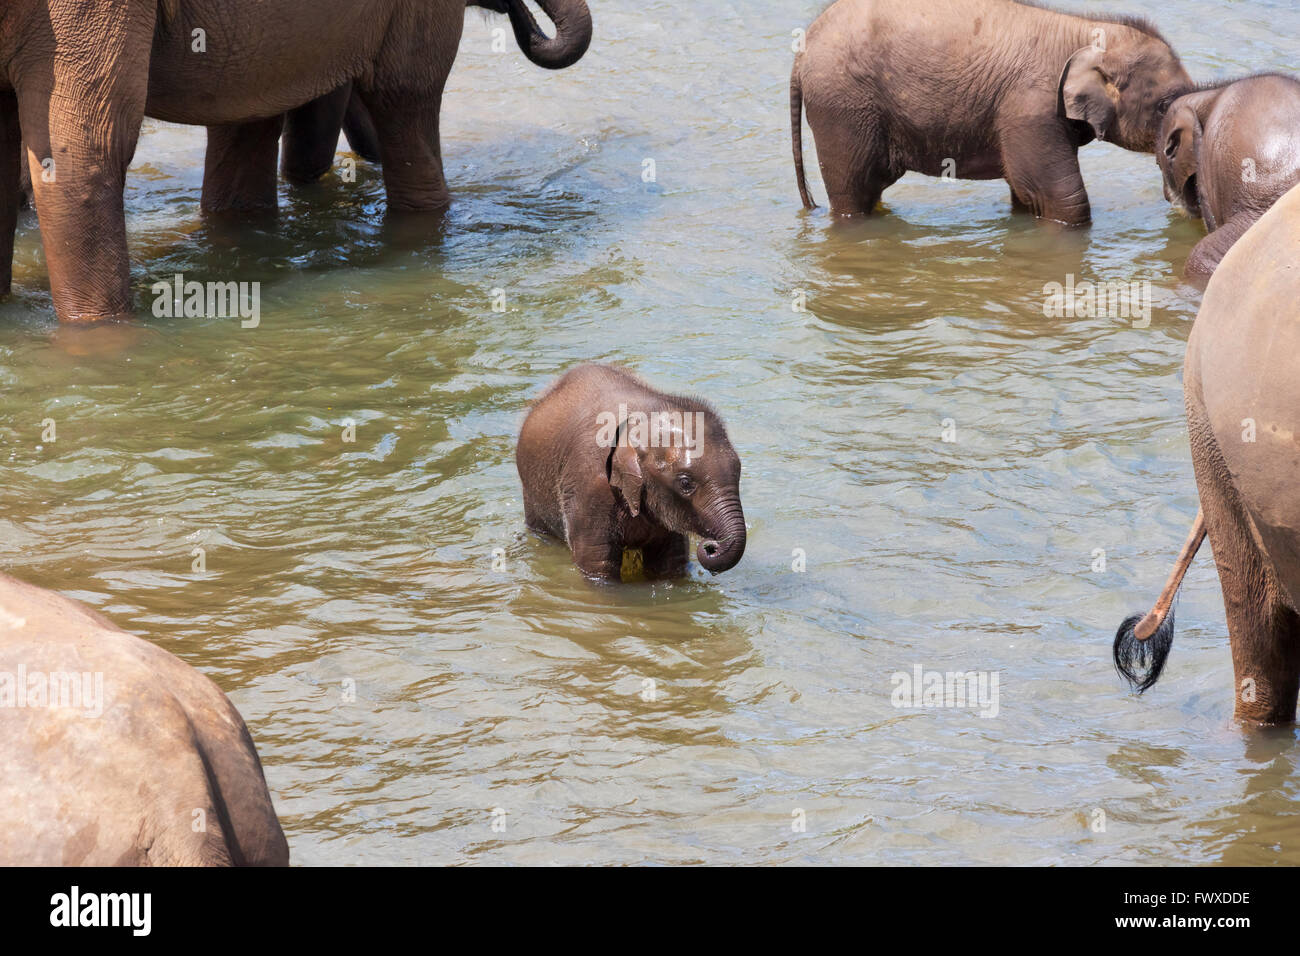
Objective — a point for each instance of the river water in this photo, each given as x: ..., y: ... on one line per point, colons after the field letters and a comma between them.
x: 417, y: 700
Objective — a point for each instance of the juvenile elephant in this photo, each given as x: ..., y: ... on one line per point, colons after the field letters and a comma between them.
x: 79, y: 75
x: 974, y: 89
x: 1241, y: 384
x: 115, y: 753
x: 1227, y: 154
x: 609, y: 465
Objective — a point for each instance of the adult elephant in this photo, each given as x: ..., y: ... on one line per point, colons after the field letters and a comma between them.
x: 116, y: 753
x: 1228, y: 153
x: 79, y: 76
x: 235, y: 180
x: 974, y: 89
x: 1241, y: 384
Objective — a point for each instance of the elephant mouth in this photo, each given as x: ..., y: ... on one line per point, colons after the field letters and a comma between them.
x: 1190, y: 197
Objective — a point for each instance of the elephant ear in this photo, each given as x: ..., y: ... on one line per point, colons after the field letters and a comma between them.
x: 1085, y: 93
x: 625, y: 474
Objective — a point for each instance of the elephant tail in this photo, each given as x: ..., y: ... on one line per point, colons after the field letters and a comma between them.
x: 1142, y: 642
x: 796, y: 134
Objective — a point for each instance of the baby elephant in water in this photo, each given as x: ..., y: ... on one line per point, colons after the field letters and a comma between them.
x: 1227, y: 154
x: 610, y: 465
x: 974, y: 89
x: 115, y: 753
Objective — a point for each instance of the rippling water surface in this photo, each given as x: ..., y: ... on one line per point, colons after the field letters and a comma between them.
x: 368, y: 566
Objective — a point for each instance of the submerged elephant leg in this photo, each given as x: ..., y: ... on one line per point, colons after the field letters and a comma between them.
x: 239, y: 167
x: 360, y: 130
x: 10, y: 185
x: 412, y: 155
x: 1042, y: 168
x: 311, y: 136
x: 1209, y: 252
x: 852, y: 160
x: 1263, y: 629
x: 668, y: 558
x: 80, y: 119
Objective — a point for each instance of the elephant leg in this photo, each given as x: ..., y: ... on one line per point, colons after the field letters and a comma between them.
x: 405, y: 115
x: 1209, y: 252
x: 239, y: 167
x: 853, y: 162
x: 1042, y: 168
x: 11, y: 195
x: 360, y: 130
x: 80, y: 117
x: 668, y: 558
x: 591, y: 542
x: 411, y: 151
x: 1018, y: 204
x: 311, y: 136
x: 1263, y: 629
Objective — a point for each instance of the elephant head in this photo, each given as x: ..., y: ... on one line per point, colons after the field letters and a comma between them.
x: 689, y: 485
x: 572, y: 22
x: 1121, y: 85
x: 1179, y: 155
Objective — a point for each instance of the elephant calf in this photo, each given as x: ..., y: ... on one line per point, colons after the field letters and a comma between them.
x: 1241, y: 384
x: 1228, y: 153
x: 611, y: 466
x: 115, y: 753
x: 974, y: 89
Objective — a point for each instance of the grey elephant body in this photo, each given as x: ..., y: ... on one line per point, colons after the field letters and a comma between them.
x: 973, y: 89
x: 1227, y: 154
x: 603, y: 491
x: 79, y: 75
x: 1241, y: 385
x: 311, y: 132
x: 160, y: 770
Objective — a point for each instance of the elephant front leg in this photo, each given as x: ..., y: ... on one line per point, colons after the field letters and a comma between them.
x: 1041, y: 166
x: 311, y: 136
x: 239, y: 169
x: 593, y: 545
x: 1209, y: 252
x: 81, y: 113
x: 410, y: 150
x: 668, y: 558
x: 10, y: 185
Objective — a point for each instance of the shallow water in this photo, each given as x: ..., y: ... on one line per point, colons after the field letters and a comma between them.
x: 367, y: 566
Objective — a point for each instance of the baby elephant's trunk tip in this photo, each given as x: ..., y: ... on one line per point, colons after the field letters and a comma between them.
x: 716, y: 556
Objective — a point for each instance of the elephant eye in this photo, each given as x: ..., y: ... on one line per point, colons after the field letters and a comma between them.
x: 684, y: 484
x: 1171, y: 147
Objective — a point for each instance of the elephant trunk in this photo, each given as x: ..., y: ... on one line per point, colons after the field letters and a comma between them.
x: 723, y: 537
x: 572, y: 22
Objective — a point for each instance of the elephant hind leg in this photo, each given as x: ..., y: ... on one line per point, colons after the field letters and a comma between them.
x: 854, y: 160
x: 10, y: 185
x: 1262, y: 627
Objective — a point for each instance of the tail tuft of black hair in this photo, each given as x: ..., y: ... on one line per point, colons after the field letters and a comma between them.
x: 1140, y: 662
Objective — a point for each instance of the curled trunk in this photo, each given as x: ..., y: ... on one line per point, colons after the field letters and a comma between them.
x: 724, y: 537
x: 572, y: 22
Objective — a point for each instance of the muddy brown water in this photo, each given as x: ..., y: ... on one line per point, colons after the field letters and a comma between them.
x: 402, y: 689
